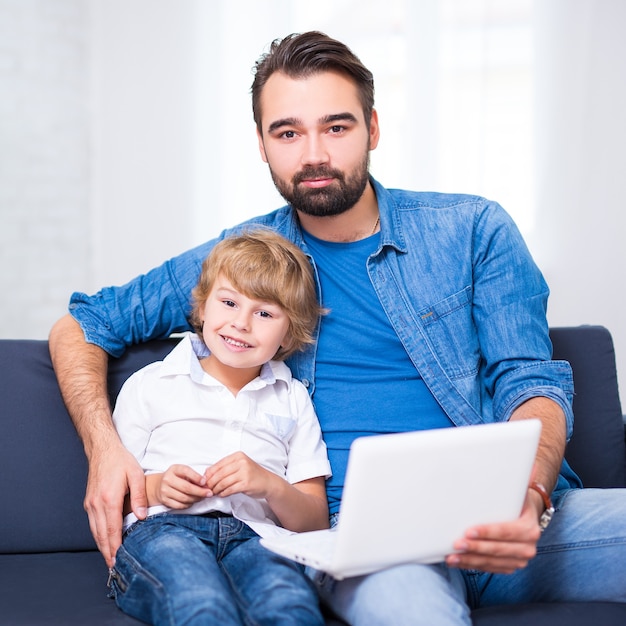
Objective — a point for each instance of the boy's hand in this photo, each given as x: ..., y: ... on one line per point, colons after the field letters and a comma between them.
x: 238, y: 473
x: 178, y: 487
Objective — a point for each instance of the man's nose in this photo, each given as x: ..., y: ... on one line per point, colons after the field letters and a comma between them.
x: 315, y: 151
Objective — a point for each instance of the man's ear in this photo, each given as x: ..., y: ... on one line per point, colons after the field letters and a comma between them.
x: 374, y: 130
x: 261, y: 145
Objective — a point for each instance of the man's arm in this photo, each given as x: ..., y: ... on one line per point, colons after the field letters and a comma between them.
x: 504, y: 548
x: 552, y: 442
x: 81, y: 370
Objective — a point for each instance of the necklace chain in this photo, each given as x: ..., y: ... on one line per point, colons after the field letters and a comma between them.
x: 375, y: 225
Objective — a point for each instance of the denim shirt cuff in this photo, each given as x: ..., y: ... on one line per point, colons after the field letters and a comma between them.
x: 547, y: 379
x: 95, y: 329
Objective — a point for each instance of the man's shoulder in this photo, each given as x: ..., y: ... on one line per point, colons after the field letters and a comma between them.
x: 281, y: 220
x: 407, y: 199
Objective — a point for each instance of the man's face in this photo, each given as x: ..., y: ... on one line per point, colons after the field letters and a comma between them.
x: 316, y: 142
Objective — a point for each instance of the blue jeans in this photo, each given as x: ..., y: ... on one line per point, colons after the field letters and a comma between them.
x: 201, y: 570
x: 581, y: 556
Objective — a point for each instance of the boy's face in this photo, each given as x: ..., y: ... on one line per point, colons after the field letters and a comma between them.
x: 241, y: 332
x: 316, y: 141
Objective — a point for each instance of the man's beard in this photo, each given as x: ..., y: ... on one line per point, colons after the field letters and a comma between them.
x: 326, y: 201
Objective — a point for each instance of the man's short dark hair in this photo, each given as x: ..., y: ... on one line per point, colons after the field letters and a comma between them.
x: 303, y: 55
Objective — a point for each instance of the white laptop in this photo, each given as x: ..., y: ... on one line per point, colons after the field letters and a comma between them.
x: 409, y: 496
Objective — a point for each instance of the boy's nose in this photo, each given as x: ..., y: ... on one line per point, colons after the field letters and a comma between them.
x: 241, y: 321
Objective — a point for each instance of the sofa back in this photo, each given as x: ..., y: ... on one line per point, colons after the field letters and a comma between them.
x: 43, y: 469
x: 597, y: 450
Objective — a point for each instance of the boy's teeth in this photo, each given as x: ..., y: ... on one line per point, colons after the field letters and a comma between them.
x: 239, y: 344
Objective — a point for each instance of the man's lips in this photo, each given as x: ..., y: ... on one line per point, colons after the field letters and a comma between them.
x: 316, y: 183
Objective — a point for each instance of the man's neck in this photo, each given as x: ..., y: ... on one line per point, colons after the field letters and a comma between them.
x: 356, y: 223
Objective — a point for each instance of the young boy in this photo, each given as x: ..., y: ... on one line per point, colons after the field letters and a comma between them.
x: 231, y: 448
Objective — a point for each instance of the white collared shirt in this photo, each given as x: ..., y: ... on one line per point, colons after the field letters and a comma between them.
x: 172, y: 411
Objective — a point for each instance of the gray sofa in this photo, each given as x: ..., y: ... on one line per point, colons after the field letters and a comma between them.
x: 50, y: 572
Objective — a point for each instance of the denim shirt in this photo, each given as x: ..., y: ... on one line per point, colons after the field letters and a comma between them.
x: 454, y: 276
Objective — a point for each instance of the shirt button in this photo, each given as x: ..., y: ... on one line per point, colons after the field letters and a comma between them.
x: 306, y: 382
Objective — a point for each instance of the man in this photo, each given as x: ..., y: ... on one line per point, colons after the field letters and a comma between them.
x: 437, y: 319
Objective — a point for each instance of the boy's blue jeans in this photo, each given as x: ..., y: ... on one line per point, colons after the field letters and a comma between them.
x: 195, y: 569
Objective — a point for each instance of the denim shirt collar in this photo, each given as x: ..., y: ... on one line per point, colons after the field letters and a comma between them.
x: 391, y: 231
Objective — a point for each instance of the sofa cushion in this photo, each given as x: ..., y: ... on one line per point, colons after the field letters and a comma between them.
x: 57, y: 589
x: 555, y: 614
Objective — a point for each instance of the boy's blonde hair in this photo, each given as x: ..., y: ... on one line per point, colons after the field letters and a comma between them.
x: 264, y: 266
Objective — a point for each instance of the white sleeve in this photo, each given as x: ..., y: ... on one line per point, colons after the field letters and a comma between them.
x: 130, y: 417
x: 307, y: 451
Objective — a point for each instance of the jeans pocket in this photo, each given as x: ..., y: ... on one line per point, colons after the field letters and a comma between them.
x: 135, y: 590
x: 116, y: 583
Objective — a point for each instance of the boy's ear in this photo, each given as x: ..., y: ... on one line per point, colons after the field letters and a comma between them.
x: 285, y: 345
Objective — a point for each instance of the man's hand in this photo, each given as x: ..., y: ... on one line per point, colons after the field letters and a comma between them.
x: 112, y: 475
x: 500, y: 548
x: 507, y: 547
x: 81, y: 369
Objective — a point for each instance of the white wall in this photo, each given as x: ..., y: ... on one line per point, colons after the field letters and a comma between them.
x: 44, y: 161
x: 126, y: 136
x: 142, y: 81
x: 580, y: 237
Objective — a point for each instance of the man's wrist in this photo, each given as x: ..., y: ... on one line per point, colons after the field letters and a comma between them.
x: 548, y: 509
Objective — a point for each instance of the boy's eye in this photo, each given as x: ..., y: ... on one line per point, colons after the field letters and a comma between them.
x: 265, y: 314
x: 229, y: 303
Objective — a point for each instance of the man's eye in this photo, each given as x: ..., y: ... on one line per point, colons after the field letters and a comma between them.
x: 289, y: 134
x: 336, y: 129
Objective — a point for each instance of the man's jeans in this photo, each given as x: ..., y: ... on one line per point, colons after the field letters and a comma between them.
x: 581, y: 556
x: 195, y: 569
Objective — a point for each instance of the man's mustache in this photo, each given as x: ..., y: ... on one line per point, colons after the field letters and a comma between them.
x: 312, y: 173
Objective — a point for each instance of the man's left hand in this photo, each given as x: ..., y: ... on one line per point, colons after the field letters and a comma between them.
x: 500, y: 548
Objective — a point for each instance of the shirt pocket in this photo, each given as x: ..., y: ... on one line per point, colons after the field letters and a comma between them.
x: 450, y: 329
x: 282, y: 426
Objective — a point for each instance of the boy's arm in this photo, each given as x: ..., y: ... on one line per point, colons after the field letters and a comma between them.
x: 299, y: 507
x: 81, y: 370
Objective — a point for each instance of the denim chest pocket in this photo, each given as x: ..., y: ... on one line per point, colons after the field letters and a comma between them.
x: 282, y: 426
x: 450, y: 328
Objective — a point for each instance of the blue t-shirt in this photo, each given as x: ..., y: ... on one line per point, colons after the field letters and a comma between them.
x: 365, y: 382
